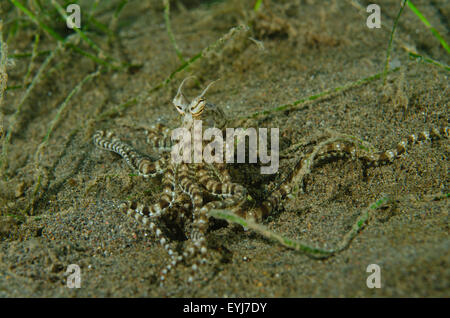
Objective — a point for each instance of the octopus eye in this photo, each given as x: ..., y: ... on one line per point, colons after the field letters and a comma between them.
x: 179, y: 109
x: 198, y: 107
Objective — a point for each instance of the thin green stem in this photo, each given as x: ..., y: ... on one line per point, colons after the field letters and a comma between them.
x: 33, y: 18
x: 23, y: 55
x: 257, y: 6
x: 388, y: 52
x: 6, y: 141
x: 61, y: 108
x: 59, y: 38
x: 428, y: 25
x: 120, y: 6
x: 169, y: 30
x: 325, y: 93
x: 306, y: 248
x: 428, y: 60
x: 3, y: 62
x: 3, y: 76
x: 50, y: 129
x: 83, y: 36
x: 33, y: 57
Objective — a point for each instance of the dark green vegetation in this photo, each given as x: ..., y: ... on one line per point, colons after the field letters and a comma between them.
x: 298, y: 65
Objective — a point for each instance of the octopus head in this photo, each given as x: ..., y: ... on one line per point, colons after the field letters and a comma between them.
x: 190, y: 110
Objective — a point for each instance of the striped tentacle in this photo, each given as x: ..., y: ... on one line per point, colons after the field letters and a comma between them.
x: 232, y: 194
x: 220, y: 171
x: 141, y: 213
x: 194, y: 192
x: 147, y: 214
x: 140, y: 163
x: 159, y: 138
x: 192, y: 189
x: 392, y: 154
x: 272, y: 203
x: 186, y: 173
x: 341, y: 149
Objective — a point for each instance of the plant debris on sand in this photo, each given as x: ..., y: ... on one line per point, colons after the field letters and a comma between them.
x: 303, y: 66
